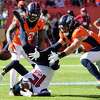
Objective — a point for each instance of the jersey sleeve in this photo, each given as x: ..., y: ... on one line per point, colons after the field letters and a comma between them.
x: 80, y: 33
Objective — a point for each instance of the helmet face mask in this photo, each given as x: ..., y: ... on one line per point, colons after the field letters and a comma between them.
x: 33, y: 11
x: 33, y: 17
x: 68, y: 24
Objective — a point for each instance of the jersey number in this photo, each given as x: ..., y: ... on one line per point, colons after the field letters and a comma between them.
x: 37, y: 80
x: 30, y: 36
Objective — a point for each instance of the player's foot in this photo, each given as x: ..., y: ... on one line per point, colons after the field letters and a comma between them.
x: 11, y: 92
x: 44, y: 92
x: 1, y: 77
x: 98, y: 84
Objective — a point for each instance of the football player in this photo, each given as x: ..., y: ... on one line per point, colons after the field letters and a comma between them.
x: 15, y: 44
x: 89, y: 41
x: 32, y: 40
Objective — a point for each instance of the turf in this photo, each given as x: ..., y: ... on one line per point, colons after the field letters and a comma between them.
x: 70, y: 71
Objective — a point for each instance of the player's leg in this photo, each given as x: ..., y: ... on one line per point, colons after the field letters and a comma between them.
x: 39, y: 79
x: 20, y: 69
x: 13, y: 74
x: 41, y: 86
x: 88, y: 59
x: 15, y: 65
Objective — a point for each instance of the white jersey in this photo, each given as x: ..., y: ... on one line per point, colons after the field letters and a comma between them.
x: 40, y: 77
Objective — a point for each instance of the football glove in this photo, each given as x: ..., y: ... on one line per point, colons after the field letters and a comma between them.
x: 53, y: 57
x: 54, y: 61
x: 56, y: 56
x: 35, y: 55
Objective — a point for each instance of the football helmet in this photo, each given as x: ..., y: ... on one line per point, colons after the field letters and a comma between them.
x: 16, y: 89
x: 22, y: 88
x: 33, y: 11
x: 70, y: 12
x: 68, y: 24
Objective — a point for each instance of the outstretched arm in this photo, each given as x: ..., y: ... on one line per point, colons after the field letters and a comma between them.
x: 70, y: 49
x: 10, y: 30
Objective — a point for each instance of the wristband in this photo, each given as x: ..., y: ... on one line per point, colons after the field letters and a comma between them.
x: 62, y: 54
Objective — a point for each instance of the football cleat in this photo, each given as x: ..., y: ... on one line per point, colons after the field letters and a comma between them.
x: 44, y: 92
x: 11, y: 93
x: 98, y: 84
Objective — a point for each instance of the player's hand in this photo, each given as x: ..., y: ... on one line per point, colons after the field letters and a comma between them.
x: 53, y: 57
x: 34, y: 55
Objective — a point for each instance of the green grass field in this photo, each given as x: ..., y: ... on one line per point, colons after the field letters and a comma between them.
x: 71, y: 71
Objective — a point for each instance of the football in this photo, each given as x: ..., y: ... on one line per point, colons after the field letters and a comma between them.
x: 5, y: 55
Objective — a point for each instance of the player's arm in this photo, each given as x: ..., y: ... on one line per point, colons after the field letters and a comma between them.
x: 56, y: 46
x: 70, y: 49
x: 11, y: 29
x: 63, y: 39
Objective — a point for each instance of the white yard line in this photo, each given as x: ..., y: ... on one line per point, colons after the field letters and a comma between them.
x: 70, y: 65
x: 73, y: 83
x: 67, y: 83
x: 73, y: 56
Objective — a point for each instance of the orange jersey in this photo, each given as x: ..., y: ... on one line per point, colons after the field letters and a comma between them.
x: 16, y: 34
x: 31, y: 32
x: 16, y: 38
x: 90, y: 39
x: 97, y: 0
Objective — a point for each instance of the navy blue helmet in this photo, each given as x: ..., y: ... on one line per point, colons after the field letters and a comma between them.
x: 67, y: 21
x: 34, y: 11
x: 70, y: 12
x: 16, y: 89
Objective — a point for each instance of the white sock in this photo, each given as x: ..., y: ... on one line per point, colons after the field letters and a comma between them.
x: 13, y: 74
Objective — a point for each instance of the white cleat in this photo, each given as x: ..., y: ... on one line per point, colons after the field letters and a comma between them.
x: 11, y: 93
x: 98, y: 84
